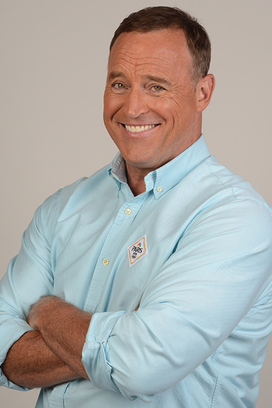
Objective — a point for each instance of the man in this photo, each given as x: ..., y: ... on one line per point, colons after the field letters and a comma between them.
x: 151, y: 280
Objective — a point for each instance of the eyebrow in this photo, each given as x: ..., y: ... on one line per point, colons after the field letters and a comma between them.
x: 116, y: 74
x: 119, y: 74
x: 158, y: 79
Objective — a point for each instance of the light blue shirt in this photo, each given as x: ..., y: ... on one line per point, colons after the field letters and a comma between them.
x: 194, y: 252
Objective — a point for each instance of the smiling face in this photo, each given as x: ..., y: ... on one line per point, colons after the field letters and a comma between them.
x: 152, y: 108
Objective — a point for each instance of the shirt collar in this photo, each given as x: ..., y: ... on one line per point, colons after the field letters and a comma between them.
x: 164, y: 178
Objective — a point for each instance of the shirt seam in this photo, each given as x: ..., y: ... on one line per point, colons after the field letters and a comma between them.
x: 219, y: 179
x: 266, y: 205
x: 214, y: 391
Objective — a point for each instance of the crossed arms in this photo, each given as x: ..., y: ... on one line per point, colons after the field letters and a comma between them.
x: 198, y: 296
x: 51, y: 354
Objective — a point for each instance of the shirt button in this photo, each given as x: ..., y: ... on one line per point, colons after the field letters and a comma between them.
x: 159, y: 189
x: 105, y: 261
x: 128, y: 211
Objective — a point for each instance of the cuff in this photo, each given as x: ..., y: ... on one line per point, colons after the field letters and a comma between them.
x: 95, y: 350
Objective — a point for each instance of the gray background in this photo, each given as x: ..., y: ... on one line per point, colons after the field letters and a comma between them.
x: 53, y: 66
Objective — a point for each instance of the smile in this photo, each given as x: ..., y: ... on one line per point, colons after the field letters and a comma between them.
x: 138, y: 129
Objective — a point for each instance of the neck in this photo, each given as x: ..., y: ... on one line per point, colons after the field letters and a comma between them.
x: 135, y: 179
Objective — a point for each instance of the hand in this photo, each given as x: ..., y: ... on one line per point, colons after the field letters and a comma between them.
x: 41, y: 308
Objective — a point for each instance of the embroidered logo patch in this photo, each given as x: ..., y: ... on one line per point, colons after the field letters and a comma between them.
x: 137, y: 250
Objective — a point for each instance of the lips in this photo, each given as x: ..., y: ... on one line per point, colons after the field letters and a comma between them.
x: 138, y: 128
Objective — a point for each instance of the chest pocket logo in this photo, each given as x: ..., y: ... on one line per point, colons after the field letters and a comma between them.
x: 137, y: 250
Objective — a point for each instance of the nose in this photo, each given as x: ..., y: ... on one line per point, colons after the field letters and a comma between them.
x: 135, y: 103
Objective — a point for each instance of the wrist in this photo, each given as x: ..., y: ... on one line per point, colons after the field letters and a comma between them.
x: 44, y: 310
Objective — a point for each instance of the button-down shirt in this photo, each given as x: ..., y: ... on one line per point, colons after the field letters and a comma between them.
x: 193, y: 255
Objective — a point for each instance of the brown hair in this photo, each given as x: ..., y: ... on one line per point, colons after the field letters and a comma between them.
x: 163, y: 17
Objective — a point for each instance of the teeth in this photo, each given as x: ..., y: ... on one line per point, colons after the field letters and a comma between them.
x: 137, y: 129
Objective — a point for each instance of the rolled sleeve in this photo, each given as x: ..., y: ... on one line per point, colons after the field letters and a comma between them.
x: 96, y: 347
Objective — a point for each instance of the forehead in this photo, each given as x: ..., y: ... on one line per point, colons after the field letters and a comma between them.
x: 160, y: 50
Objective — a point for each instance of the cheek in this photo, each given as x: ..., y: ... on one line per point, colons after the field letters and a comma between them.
x: 111, y: 105
x: 183, y: 110
x: 162, y: 106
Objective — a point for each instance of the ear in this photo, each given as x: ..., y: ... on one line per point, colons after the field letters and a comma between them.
x: 204, y: 91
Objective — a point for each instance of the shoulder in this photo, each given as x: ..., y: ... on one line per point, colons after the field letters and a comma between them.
x: 217, y: 187
x: 68, y: 198
x: 232, y: 183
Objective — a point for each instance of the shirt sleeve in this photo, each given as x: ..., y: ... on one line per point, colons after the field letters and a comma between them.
x: 218, y: 272
x: 29, y: 276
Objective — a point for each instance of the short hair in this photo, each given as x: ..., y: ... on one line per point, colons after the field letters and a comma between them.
x: 163, y: 17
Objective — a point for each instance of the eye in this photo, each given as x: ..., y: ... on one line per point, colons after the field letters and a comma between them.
x: 118, y: 85
x: 157, y: 88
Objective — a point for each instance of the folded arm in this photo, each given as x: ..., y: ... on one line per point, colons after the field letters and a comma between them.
x: 26, y: 359
x: 30, y: 363
x: 51, y: 354
x: 63, y: 328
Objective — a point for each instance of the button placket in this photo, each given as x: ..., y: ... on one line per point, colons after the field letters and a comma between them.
x: 120, y: 226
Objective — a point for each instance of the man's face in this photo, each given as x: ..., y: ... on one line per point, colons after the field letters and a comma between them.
x: 151, y: 104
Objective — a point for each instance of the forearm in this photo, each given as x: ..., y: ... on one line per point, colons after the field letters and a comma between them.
x: 30, y: 363
x: 63, y: 328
